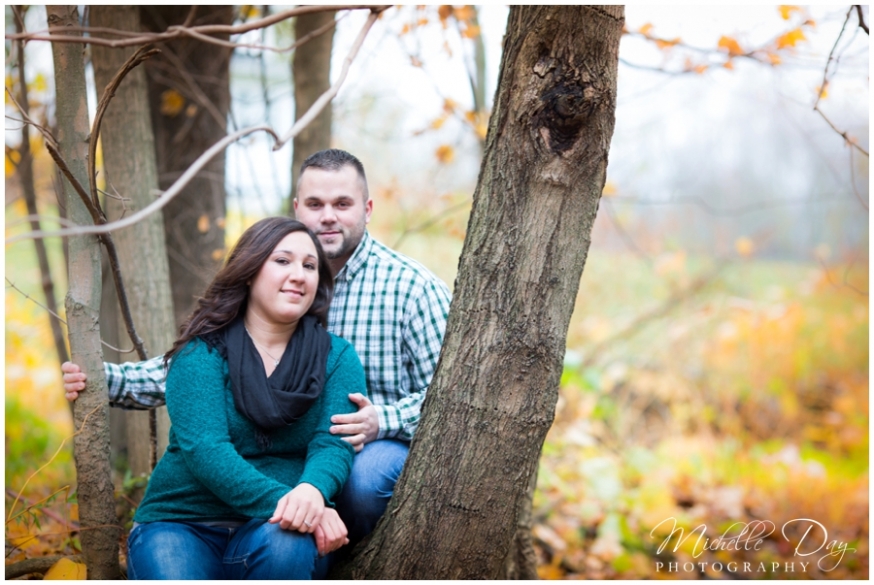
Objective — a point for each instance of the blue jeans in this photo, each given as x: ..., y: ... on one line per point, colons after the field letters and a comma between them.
x: 375, y: 471
x: 256, y: 550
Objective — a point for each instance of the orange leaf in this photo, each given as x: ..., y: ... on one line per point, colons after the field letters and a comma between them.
x: 790, y: 39
x: 665, y: 43
x: 445, y: 154
x: 774, y: 58
x: 464, y: 13
x: 449, y: 105
x: 699, y: 69
x: 609, y: 189
x: 444, y: 12
x: 218, y: 254
x: 438, y: 122
x: 404, y: 30
x: 422, y: 22
x: 203, y: 223
x: 728, y: 65
x: 471, y: 32
x: 172, y: 103
x: 730, y: 45
x: 644, y: 30
x: 786, y: 10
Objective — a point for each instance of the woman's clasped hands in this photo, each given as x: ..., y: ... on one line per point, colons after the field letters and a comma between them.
x: 303, y: 509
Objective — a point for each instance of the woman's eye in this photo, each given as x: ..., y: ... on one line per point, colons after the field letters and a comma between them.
x: 282, y: 261
x: 310, y: 266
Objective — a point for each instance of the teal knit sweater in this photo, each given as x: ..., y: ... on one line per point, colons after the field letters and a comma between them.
x: 214, y: 469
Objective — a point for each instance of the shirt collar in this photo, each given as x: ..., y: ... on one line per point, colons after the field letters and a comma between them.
x: 357, y: 260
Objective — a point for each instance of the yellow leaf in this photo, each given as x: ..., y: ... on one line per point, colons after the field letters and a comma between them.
x: 774, y: 58
x: 405, y: 29
x: 481, y: 129
x: 786, y: 10
x: 744, y: 246
x: 609, y: 189
x: 39, y: 83
x: 730, y: 45
x: 644, y: 30
x: 471, y: 32
x: 445, y: 153
x: 822, y: 90
x: 470, y: 116
x: 449, y: 105
x: 66, y: 570
x: 790, y: 39
x: 422, y: 22
x: 438, y: 122
x: 203, y: 223
x: 172, y: 103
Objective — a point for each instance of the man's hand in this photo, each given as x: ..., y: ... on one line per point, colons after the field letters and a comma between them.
x: 362, y: 426
x: 74, y: 380
x: 300, y: 509
x: 331, y: 533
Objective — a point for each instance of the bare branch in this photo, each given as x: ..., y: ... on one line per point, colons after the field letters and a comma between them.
x: 853, y: 183
x: 829, y: 60
x: 862, y: 24
x: 199, y: 32
x: 326, y: 97
x: 168, y: 195
x: 58, y: 317
x: 844, y: 135
x: 828, y: 277
x: 37, y: 565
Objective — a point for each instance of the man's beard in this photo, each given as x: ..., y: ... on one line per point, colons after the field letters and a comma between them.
x: 347, y: 245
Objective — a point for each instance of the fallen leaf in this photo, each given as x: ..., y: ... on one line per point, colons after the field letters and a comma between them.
x: 66, y: 570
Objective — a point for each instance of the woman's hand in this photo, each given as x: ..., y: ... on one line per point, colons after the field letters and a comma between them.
x: 300, y: 509
x: 330, y: 533
x: 74, y: 380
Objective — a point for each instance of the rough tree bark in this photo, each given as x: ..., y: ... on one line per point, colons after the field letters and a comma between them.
x: 25, y: 172
x: 197, y: 71
x: 100, y: 532
x: 129, y: 166
x: 464, y: 488
x: 311, y: 70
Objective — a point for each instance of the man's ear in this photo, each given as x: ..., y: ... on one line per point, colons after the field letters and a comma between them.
x: 294, y: 204
x: 368, y: 209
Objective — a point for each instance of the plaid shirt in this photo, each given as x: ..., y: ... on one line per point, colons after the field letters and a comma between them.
x: 389, y: 307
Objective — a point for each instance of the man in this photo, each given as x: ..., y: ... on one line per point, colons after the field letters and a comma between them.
x: 391, y: 308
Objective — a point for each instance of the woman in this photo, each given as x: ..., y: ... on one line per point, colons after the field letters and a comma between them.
x: 245, y: 487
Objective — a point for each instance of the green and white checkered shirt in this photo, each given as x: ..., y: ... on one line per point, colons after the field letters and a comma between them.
x: 389, y: 307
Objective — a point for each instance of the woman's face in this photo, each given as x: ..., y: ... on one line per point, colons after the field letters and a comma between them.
x: 285, y: 287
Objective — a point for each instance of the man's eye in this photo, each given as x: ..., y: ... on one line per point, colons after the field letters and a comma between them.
x: 314, y: 205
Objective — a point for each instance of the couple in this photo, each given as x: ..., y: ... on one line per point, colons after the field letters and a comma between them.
x: 268, y: 409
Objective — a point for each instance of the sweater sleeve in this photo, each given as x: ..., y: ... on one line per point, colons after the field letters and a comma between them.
x: 195, y: 401
x: 329, y: 457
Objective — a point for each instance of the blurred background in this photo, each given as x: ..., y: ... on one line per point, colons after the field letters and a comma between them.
x: 717, y: 359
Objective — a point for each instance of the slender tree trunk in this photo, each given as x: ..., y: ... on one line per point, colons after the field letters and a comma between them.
x: 197, y: 73
x: 465, y: 485
x: 311, y: 70
x: 129, y: 163
x: 25, y: 173
x: 100, y: 532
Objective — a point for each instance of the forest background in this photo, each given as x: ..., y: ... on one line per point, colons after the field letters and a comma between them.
x: 717, y: 363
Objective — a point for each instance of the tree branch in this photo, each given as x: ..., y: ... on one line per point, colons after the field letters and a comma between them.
x: 862, y: 24
x: 37, y: 565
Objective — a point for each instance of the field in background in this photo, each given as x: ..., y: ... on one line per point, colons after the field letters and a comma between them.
x: 708, y: 392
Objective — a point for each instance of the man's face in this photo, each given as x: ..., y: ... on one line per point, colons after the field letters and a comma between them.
x: 331, y: 204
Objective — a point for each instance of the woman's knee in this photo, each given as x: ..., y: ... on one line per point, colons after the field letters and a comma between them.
x: 269, y: 552
x: 173, y: 550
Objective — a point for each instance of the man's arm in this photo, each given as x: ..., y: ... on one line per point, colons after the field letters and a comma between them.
x: 132, y: 385
x: 423, y: 332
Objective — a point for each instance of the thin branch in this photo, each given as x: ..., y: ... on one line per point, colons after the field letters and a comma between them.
x: 196, y: 92
x: 142, y: 54
x: 828, y: 277
x: 843, y: 135
x: 828, y: 61
x: 180, y: 31
x: 58, y: 317
x: 862, y: 24
x: 326, y: 97
x: 853, y: 182
x: 161, y: 202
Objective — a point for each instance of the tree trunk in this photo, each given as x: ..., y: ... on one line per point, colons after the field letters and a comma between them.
x: 25, y: 173
x: 197, y: 73
x: 464, y: 488
x: 311, y: 70
x: 100, y: 532
x: 129, y: 165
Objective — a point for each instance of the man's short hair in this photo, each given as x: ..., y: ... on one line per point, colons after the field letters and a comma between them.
x: 334, y: 159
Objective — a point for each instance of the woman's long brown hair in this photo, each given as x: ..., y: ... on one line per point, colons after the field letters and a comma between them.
x: 228, y: 293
